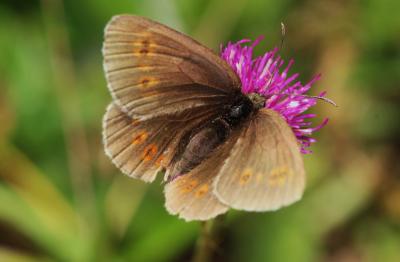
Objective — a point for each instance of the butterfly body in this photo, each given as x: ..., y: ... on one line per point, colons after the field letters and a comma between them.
x: 214, y: 133
x: 177, y: 106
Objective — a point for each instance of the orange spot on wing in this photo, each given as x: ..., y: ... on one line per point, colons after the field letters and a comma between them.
x: 144, y: 51
x: 159, y: 161
x: 245, y: 177
x: 135, y: 122
x: 149, y: 152
x: 189, y: 185
x: 202, y: 190
x: 140, y: 138
x: 141, y: 47
x: 146, y: 82
x: 278, y: 176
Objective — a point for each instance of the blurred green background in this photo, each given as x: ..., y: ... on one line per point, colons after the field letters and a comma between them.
x: 62, y: 200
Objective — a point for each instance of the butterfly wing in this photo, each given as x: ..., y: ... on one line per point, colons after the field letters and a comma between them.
x: 265, y: 169
x: 153, y: 70
x: 191, y: 195
x: 140, y: 148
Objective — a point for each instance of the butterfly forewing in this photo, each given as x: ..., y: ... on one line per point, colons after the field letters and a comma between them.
x: 142, y: 147
x: 153, y: 70
x: 265, y: 169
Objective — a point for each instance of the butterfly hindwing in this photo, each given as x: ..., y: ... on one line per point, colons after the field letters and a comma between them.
x: 265, y: 169
x: 153, y: 70
x: 191, y: 195
x: 140, y: 148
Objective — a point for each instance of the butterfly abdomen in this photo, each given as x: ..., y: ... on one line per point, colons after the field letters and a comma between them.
x: 200, y: 145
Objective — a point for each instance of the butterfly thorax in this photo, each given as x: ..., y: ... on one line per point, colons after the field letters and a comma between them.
x: 205, y: 140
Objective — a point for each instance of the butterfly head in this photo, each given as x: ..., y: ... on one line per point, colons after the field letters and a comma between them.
x: 257, y: 100
x: 238, y: 111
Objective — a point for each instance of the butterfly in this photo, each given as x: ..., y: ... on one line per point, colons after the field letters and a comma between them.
x: 178, y: 107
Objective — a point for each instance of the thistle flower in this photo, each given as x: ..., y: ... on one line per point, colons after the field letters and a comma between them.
x: 267, y: 76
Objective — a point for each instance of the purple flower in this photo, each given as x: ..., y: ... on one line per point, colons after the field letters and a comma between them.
x: 267, y: 76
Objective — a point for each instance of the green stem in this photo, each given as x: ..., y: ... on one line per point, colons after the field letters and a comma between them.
x: 209, y: 239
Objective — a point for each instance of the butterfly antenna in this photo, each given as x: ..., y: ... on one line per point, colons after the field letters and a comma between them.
x: 323, y: 99
x: 283, y: 34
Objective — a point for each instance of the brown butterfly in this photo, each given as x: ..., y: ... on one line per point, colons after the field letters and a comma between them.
x: 178, y: 107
